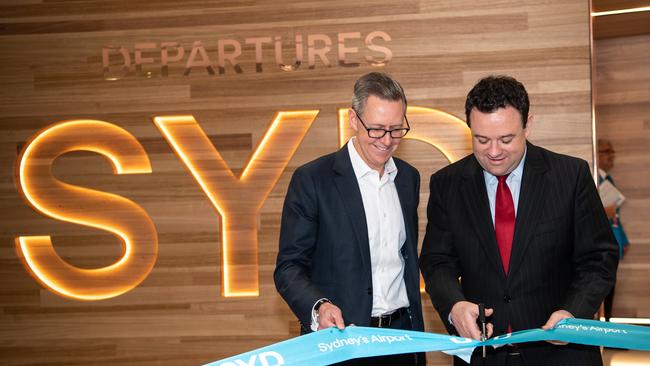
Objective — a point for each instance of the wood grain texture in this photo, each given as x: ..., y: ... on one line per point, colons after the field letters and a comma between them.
x: 622, y: 110
x: 51, y: 70
x: 622, y: 25
x: 609, y: 5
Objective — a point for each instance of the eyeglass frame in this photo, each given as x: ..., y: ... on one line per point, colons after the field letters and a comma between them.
x: 389, y: 132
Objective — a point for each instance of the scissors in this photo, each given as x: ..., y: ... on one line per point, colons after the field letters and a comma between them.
x: 481, y: 318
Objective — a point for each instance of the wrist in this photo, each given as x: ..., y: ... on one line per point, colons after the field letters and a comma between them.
x: 319, y: 303
x: 315, y: 318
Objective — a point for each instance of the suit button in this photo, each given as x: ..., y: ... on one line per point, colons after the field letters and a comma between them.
x: 506, y: 299
x: 369, y: 290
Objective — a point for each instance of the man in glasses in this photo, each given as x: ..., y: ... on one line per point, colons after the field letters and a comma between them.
x: 348, y: 240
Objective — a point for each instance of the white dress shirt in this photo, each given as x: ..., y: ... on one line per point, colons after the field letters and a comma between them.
x: 386, y: 233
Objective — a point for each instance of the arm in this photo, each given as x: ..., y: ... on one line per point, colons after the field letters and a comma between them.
x: 298, y: 239
x: 595, y: 251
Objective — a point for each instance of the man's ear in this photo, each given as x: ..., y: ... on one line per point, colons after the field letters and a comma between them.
x: 353, y: 120
x: 529, y: 122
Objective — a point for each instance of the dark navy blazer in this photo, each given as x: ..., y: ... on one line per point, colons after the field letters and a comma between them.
x: 324, y: 250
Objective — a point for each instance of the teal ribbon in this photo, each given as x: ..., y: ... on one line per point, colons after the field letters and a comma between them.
x: 333, y: 345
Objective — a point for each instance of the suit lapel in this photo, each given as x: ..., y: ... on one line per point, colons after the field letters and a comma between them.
x: 405, y: 200
x: 531, y: 199
x: 477, y: 205
x: 348, y: 187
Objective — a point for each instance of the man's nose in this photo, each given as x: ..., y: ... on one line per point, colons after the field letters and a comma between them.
x: 494, y: 150
x: 386, y: 139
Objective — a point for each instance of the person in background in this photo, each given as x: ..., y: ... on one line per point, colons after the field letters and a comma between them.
x: 606, y: 156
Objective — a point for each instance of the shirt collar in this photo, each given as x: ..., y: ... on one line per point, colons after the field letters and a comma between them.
x: 361, y: 168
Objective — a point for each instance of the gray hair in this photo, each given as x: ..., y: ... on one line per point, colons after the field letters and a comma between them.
x: 378, y: 84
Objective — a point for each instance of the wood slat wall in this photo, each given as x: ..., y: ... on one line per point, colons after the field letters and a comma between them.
x: 622, y: 110
x: 51, y: 70
x: 610, y: 5
x: 620, y: 25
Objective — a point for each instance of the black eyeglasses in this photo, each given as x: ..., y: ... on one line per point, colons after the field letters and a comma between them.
x: 377, y: 133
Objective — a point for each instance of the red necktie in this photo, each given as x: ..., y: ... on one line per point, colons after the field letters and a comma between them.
x: 504, y: 221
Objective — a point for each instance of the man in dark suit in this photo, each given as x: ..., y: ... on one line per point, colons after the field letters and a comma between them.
x: 348, y: 240
x: 518, y: 228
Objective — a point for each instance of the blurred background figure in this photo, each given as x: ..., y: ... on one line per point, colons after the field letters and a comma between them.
x: 612, y: 200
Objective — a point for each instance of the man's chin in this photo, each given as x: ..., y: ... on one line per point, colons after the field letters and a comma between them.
x: 382, y: 156
x: 379, y: 163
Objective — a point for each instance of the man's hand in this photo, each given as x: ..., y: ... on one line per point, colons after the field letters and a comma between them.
x: 464, y: 315
x: 329, y: 315
x: 553, y: 319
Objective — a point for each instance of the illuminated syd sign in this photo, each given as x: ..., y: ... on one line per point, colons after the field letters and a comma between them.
x: 132, y: 226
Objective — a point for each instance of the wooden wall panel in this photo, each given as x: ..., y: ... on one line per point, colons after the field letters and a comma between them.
x: 51, y: 70
x: 622, y: 25
x: 622, y: 110
x: 609, y: 5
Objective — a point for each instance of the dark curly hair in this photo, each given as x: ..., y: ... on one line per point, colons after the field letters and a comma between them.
x: 497, y: 91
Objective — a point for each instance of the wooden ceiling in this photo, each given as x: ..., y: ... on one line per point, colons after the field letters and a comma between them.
x: 620, y: 25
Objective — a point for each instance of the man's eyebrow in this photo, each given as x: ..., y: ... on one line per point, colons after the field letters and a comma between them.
x: 389, y: 127
x: 500, y: 137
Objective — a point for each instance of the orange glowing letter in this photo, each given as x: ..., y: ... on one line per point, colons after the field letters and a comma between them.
x: 87, y: 207
x: 237, y: 199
